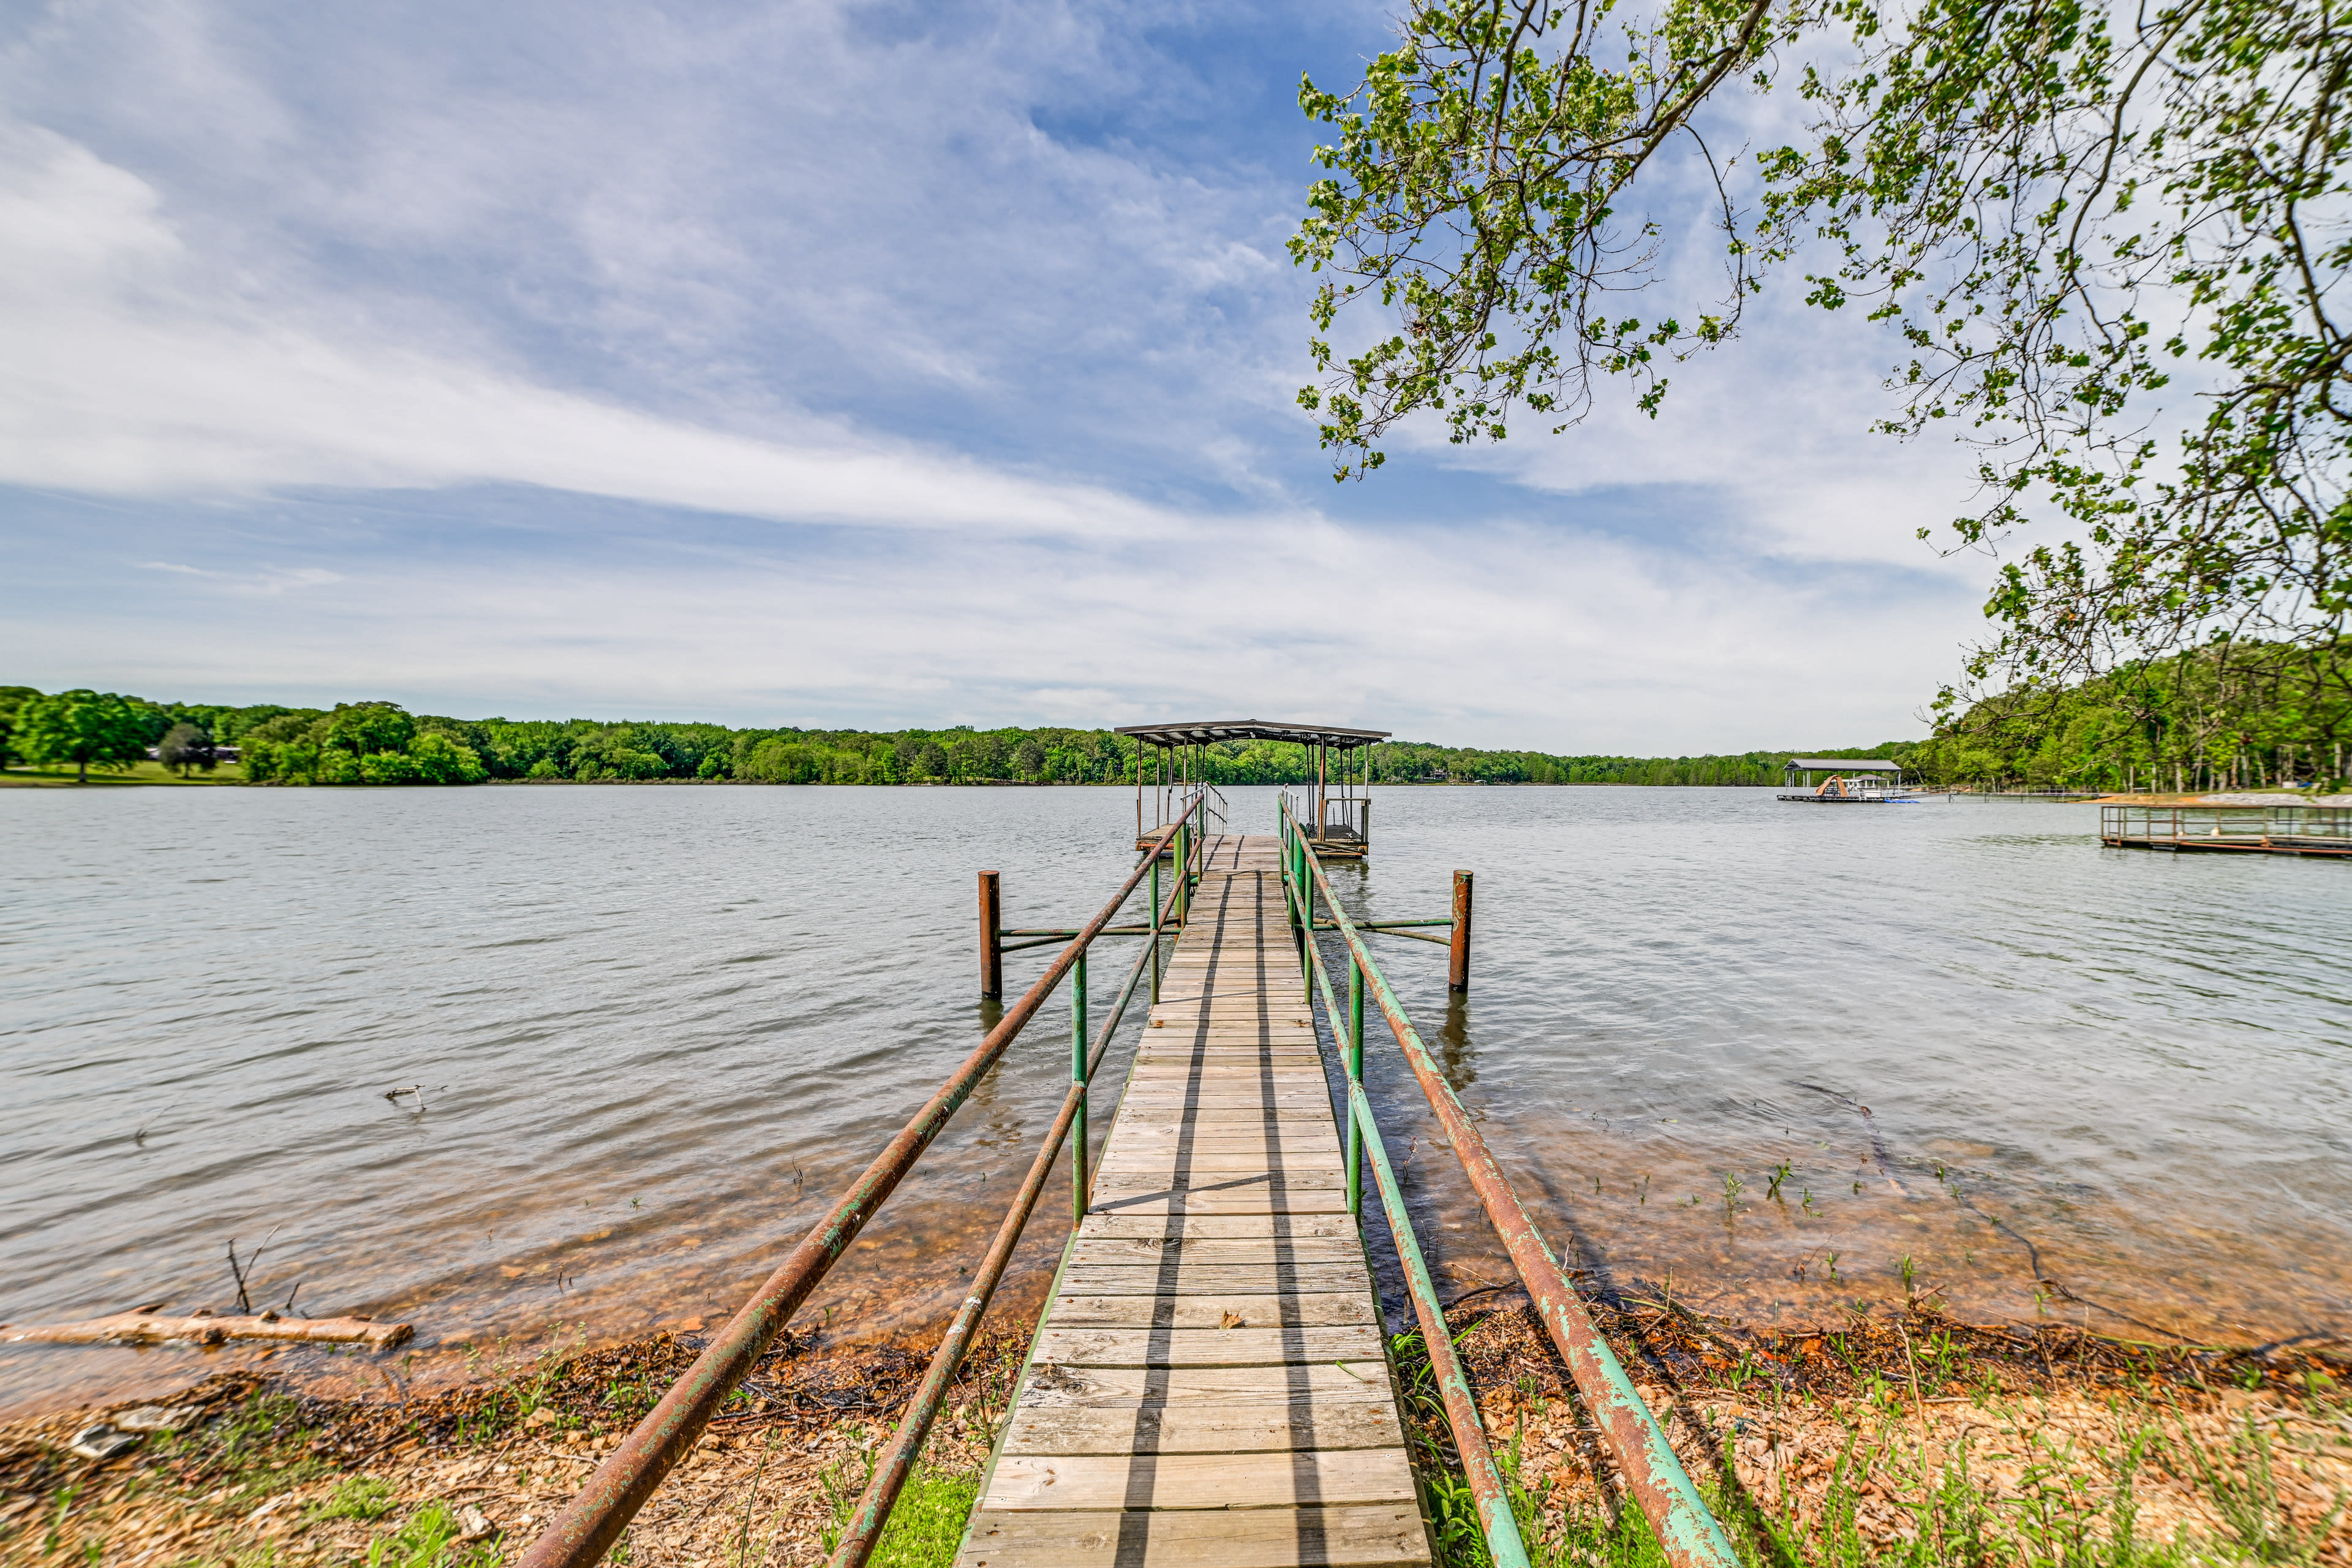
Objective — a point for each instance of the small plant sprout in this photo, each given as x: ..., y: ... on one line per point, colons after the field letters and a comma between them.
x: 1808, y: 1204
x: 1830, y: 1263
x: 1772, y: 1186
x: 1732, y: 1187
x: 1910, y: 1274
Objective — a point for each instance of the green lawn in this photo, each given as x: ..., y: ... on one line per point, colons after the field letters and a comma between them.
x: 26, y: 774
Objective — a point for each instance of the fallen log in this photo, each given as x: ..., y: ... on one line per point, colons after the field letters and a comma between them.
x: 147, y: 1326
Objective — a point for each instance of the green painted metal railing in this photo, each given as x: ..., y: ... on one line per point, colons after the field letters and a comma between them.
x: 1685, y: 1527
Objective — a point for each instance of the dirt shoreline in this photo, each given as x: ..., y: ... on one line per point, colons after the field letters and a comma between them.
x: 1804, y: 1438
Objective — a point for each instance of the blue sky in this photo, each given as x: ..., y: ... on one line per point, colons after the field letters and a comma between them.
x: 852, y: 364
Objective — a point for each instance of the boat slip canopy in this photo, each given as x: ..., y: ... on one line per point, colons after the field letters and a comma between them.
x: 1845, y: 764
x: 1203, y: 733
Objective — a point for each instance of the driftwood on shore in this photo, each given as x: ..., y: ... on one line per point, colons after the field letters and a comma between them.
x: 147, y: 1326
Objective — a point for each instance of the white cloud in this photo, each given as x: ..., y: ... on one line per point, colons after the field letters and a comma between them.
x: 127, y: 377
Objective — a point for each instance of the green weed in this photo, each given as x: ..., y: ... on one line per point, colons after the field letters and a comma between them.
x: 359, y: 1497
x: 926, y: 1524
x: 429, y: 1539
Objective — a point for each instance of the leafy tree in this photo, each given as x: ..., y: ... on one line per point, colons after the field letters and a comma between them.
x: 441, y: 758
x: 185, y: 746
x: 363, y: 729
x: 11, y: 698
x: 2058, y: 206
x: 84, y: 728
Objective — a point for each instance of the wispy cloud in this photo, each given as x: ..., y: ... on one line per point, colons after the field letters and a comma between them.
x: 269, y: 580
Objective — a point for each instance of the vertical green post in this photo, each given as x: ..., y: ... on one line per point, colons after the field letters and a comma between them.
x: 1078, y: 1075
x: 1183, y: 879
x: 1355, y: 1076
x: 1305, y: 935
x: 1155, y: 927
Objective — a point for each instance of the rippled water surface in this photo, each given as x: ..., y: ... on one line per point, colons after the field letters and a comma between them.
x: 1768, y: 1052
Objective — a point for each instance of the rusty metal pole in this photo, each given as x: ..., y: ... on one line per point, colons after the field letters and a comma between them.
x: 1078, y: 1088
x: 1457, y: 973
x: 991, y: 940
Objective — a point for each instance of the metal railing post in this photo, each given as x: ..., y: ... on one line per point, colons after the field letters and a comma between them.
x: 1356, y: 1078
x: 991, y: 940
x: 1155, y: 926
x: 1078, y: 1089
x: 1457, y: 972
x: 1305, y: 936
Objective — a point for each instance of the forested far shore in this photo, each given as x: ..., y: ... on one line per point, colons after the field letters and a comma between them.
x: 383, y: 744
x: 2231, y: 715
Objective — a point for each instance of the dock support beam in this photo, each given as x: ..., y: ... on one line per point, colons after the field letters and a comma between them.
x: 1457, y: 973
x: 991, y: 940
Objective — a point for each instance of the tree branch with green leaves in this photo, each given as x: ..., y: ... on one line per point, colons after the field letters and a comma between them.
x: 2060, y: 208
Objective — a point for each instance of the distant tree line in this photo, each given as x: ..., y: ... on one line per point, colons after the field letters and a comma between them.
x: 2233, y: 714
x: 381, y: 743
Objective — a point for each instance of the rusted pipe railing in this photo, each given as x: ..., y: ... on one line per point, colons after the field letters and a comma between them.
x: 1685, y: 1529
x: 872, y: 1513
x: 1505, y: 1548
x: 590, y: 1523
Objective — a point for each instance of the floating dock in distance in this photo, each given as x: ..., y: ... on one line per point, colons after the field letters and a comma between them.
x: 1210, y: 1385
x: 1853, y: 781
x: 2322, y: 831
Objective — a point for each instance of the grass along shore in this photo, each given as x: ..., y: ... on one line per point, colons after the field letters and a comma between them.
x: 1903, y: 1439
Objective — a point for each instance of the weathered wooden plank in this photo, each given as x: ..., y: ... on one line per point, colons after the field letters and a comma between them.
x: 1388, y: 1536
x: 1207, y: 1347
x: 1127, y: 1252
x: 1254, y: 1200
x: 1258, y: 1426
x: 1191, y: 1307
x: 1320, y: 1383
x: 1216, y: 1227
x: 1210, y: 1279
x: 1199, y: 1480
x: 1175, y: 1115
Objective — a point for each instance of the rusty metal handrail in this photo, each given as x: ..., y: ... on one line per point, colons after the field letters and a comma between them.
x: 1685, y: 1527
x: 589, y: 1524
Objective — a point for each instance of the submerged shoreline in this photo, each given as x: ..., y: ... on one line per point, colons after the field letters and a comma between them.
x: 1881, y: 1435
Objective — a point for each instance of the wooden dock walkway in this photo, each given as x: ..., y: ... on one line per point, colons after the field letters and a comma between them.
x: 1209, y: 1387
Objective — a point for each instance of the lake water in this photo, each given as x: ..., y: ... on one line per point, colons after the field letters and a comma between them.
x: 656, y: 1028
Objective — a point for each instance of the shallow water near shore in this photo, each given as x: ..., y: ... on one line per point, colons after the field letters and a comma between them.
x: 657, y: 1029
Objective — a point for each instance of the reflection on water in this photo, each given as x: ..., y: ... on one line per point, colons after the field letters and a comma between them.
x: 1765, y: 1052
